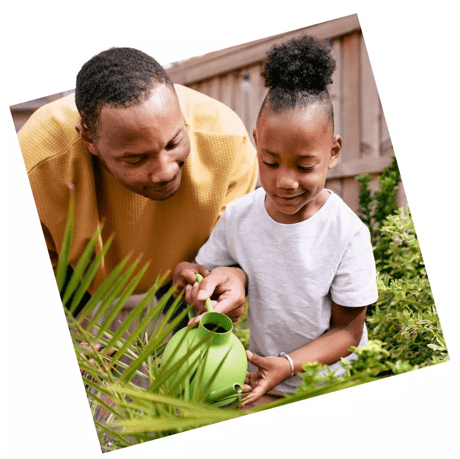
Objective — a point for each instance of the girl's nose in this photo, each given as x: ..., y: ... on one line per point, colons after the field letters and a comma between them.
x: 287, y: 181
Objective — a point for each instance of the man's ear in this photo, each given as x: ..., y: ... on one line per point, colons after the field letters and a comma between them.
x: 254, y: 134
x: 336, y: 148
x: 85, y: 135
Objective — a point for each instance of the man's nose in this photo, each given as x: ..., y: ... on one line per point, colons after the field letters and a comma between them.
x: 164, y: 170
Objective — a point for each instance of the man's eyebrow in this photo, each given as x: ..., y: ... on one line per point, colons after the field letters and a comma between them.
x: 179, y: 130
x: 128, y: 154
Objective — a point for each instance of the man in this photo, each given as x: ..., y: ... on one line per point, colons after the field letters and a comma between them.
x: 156, y: 162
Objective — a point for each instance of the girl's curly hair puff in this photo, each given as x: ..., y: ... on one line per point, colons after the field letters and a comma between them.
x: 297, y: 73
x: 300, y: 64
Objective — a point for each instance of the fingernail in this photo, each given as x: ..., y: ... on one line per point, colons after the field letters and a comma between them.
x: 202, y: 295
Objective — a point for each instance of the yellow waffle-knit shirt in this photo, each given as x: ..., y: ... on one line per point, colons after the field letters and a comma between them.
x: 221, y: 167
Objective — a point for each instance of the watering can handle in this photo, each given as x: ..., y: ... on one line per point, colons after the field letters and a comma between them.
x: 207, y: 303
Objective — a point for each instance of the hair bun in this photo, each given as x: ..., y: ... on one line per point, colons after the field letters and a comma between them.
x: 300, y: 64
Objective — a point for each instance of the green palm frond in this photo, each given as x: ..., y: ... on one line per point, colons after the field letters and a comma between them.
x: 132, y: 401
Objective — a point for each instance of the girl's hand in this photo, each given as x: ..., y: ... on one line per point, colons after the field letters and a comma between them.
x: 271, y: 371
x: 184, y: 275
x: 226, y: 286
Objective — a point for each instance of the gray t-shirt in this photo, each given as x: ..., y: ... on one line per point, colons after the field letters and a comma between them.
x: 295, y: 271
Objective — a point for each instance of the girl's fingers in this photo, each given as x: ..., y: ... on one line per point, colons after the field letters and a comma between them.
x: 247, y: 388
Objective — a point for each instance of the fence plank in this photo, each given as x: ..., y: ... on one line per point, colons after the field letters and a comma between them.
x: 370, y: 108
x: 226, y: 90
x: 335, y: 89
x: 351, y: 105
x: 386, y: 147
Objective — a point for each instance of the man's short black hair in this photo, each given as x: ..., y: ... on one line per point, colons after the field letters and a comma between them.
x: 119, y: 77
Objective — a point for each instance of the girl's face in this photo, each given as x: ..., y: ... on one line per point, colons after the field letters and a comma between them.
x: 295, y: 149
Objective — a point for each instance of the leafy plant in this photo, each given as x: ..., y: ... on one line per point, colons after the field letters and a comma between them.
x: 405, y: 314
x: 404, y: 328
x: 241, y: 329
x: 131, y: 399
x: 375, y: 207
x: 373, y: 362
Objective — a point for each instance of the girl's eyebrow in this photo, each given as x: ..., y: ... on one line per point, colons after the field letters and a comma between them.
x: 276, y: 155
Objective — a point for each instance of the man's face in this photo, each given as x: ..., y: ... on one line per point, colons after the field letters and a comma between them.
x: 145, y: 146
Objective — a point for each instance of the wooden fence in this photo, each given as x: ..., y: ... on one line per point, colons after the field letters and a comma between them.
x: 233, y: 76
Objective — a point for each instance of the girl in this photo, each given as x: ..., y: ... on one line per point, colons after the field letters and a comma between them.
x: 308, y: 258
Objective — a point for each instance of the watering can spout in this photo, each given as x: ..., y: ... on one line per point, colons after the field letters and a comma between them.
x: 230, y: 391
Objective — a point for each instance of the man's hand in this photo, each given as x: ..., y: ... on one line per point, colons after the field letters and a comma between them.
x: 98, y: 347
x: 271, y: 371
x: 184, y: 274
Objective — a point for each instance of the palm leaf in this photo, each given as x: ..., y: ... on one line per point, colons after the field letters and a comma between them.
x: 83, y: 286
x: 63, y: 261
x: 134, y: 414
x: 102, y: 291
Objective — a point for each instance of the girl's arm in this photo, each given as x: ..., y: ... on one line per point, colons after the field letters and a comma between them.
x: 346, y: 329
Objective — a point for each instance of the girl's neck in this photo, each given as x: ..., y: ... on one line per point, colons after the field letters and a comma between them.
x: 310, y: 209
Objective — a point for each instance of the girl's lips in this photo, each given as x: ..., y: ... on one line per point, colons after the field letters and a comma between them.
x: 289, y: 197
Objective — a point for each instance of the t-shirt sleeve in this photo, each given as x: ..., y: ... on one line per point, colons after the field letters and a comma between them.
x: 355, y: 282
x: 215, y: 252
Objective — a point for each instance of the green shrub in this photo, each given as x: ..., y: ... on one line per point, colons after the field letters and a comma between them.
x: 403, y: 325
x: 405, y: 316
x: 375, y: 207
x: 241, y: 329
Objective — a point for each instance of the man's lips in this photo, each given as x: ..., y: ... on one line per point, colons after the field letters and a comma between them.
x: 164, y: 186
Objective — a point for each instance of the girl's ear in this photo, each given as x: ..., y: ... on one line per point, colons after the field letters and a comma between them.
x: 254, y: 134
x: 84, y: 134
x: 336, y: 148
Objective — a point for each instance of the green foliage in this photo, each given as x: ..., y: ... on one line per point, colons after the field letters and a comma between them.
x: 402, y: 257
x: 373, y: 362
x: 375, y: 207
x: 131, y: 398
x: 405, y: 315
x: 403, y: 326
x: 241, y: 329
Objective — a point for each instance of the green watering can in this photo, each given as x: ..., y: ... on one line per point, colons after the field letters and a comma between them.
x: 217, y: 367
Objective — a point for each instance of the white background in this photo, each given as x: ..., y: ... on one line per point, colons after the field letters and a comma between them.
x: 413, y: 53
